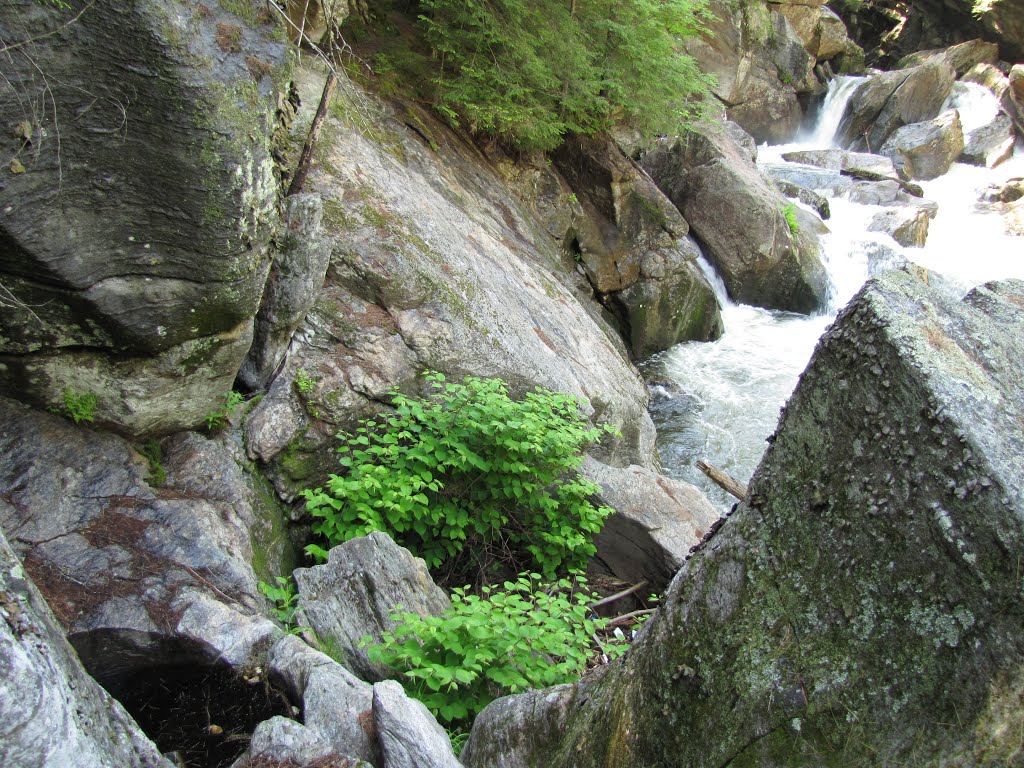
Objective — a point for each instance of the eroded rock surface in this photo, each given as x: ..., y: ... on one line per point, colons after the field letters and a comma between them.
x: 139, y: 210
x: 872, y: 578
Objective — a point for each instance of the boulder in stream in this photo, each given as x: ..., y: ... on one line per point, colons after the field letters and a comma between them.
x: 863, y: 607
x: 737, y: 215
x: 991, y: 144
x: 926, y: 150
x: 907, y: 224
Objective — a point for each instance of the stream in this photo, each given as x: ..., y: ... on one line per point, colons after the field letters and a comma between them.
x: 719, y: 401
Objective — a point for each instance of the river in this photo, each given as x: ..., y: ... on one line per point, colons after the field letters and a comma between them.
x: 719, y: 401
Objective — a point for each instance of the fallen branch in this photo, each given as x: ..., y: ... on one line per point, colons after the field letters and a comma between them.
x: 626, y: 618
x: 612, y: 598
x: 726, y: 482
x: 306, y: 158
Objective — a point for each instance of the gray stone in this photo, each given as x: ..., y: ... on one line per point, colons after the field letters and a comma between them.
x: 409, y: 735
x: 337, y: 707
x: 963, y: 57
x: 990, y: 144
x: 908, y: 225
x: 281, y: 742
x: 736, y: 214
x: 51, y: 712
x: 860, y: 165
x: 656, y: 522
x: 354, y: 593
x: 135, y: 242
x: 830, y: 182
x: 867, y: 578
x: 806, y: 196
x: 883, y: 103
x: 300, y: 265
x: 926, y: 150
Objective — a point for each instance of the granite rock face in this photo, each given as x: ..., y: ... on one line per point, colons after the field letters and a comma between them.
x: 871, y: 578
x: 926, y: 150
x: 139, y: 208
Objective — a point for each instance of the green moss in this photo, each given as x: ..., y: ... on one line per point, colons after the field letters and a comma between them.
x: 299, y: 460
x: 273, y: 551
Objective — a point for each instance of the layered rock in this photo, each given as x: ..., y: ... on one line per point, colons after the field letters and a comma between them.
x: 990, y: 144
x: 139, y: 207
x: 738, y: 216
x: 863, y: 606
x: 886, y: 102
x: 53, y: 712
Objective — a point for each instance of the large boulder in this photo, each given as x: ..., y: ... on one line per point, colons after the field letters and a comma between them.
x: 138, y: 207
x: 53, y: 713
x: 409, y: 735
x: 962, y: 57
x: 926, y: 150
x: 862, y: 608
x: 819, y: 28
x: 354, y: 593
x: 886, y: 102
x: 737, y: 214
x: 930, y: 24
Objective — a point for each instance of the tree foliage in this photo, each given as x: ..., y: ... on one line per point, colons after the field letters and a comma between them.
x: 531, y: 71
x: 468, y: 471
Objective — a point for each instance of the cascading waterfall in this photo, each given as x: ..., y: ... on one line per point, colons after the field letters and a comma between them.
x: 719, y: 401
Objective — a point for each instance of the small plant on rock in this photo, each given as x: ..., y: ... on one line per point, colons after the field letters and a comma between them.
x: 217, y: 418
x: 79, y: 407
x: 468, y: 478
x: 789, y: 212
x: 285, y: 600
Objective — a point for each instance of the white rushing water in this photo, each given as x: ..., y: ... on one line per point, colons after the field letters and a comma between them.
x: 721, y: 400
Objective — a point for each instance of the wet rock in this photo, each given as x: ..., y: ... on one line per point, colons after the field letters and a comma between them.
x: 821, y: 31
x: 657, y: 521
x: 133, y: 283
x: 829, y: 182
x: 1009, y: 192
x: 53, y: 713
x: 806, y: 196
x: 883, y: 103
x: 737, y: 216
x: 991, y: 144
x: 872, y: 575
x: 337, y: 707
x: 671, y: 302
x: 355, y: 592
x: 300, y: 264
x: 409, y: 735
x: 860, y: 165
x: 908, y: 225
x: 926, y: 150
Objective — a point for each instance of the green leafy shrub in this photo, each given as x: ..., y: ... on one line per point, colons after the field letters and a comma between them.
x: 525, y: 635
x: 789, y: 211
x: 304, y: 382
x: 79, y: 407
x: 470, y: 473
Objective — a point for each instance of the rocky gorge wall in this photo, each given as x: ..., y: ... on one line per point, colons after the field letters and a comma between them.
x: 147, y: 259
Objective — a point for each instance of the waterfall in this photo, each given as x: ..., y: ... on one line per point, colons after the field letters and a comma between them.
x: 719, y: 401
x: 840, y: 90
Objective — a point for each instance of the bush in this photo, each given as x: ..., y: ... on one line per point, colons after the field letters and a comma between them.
x: 526, y: 635
x: 80, y: 407
x: 468, y: 472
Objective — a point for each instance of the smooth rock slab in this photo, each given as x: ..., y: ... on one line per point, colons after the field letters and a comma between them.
x: 926, y: 150
x: 990, y: 144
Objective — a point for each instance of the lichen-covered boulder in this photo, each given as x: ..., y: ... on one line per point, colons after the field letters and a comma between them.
x: 354, y: 593
x: 926, y: 150
x: 864, y: 606
x: 51, y: 712
x: 737, y: 215
x: 886, y: 102
x: 138, y: 206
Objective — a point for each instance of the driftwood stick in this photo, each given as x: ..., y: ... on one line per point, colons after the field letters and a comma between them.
x: 726, y: 482
x: 302, y: 171
x: 612, y: 598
